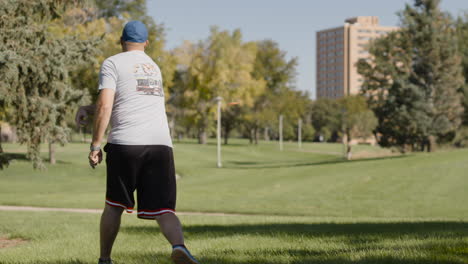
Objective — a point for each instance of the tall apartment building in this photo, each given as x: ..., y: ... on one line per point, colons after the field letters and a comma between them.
x: 338, y: 51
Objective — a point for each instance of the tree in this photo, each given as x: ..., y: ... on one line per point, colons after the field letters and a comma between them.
x: 413, y: 80
x: 462, y: 34
x: 34, y: 65
x: 116, y: 8
x: 93, y: 21
x: 325, y: 117
x: 279, y: 74
x: 357, y: 120
x: 218, y: 66
x: 231, y: 118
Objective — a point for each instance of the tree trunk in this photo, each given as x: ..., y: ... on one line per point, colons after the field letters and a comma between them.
x: 52, y: 153
x: 80, y: 133
x: 172, y: 128
x: 1, y: 139
x: 348, y: 145
x: 251, y: 136
x: 431, y: 144
x: 84, y: 134
x: 201, y: 136
x: 266, y: 134
x: 227, y: 130
x: 256, y: 135
x: 14, y: 136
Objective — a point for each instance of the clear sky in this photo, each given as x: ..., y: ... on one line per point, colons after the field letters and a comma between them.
x: 291, y: 23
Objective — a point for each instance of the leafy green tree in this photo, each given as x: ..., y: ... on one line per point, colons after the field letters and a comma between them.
x: 413, y: 81
x: 34, y: 66
x: 325, y: 117
x: 357, y: 120
x: 232, y: 118
x: 279, y: 74
x: 218, y: 66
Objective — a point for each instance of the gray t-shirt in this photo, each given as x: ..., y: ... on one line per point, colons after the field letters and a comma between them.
x: 139, y: 114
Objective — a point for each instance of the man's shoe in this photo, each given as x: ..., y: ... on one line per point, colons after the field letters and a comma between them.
x: 181, y: 255
x: 107, y: 261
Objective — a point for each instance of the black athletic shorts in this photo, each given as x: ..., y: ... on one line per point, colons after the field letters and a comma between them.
x: 148, y: 169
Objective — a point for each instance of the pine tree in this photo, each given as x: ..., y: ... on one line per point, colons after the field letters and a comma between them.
x: 414, y: 79
x: 34, y: 67
x: 462, y: 30
x: 437, y: 69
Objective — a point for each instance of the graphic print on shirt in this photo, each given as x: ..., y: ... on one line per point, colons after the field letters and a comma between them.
x: 148, y: 79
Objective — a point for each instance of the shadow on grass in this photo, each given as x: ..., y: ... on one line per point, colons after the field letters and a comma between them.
x: 346, y: 243
x: 273, y: 257
x: 277, y: 165
x: 5, y: 158
x: 389, y: 230
x: 398, y: 242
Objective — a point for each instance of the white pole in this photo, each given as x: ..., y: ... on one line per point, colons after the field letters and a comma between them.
x: 218, y: 134
x: 281, y: 132
x: 299, y: 132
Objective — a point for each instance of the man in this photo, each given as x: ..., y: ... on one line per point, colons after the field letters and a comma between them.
x: 139, y: 147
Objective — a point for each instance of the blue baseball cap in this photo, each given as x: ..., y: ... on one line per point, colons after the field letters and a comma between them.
x: 135, y: 31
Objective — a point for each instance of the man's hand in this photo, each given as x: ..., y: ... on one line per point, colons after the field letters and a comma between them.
x: 82, y: 116
x: 95, y: 157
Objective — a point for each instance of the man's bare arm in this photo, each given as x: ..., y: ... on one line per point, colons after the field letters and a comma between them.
x: 102, y: 115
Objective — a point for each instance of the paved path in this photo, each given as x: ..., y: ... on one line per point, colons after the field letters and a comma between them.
x: 95, y: 211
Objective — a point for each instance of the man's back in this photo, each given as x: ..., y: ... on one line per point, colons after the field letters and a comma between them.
x: 138, y: 114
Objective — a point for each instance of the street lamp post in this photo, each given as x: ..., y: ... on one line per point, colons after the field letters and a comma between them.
x: 218, y: 131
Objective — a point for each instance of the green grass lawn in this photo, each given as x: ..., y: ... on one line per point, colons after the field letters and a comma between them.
x: 306, y: 206
x: 71, y: 238
x: 262, y: 180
